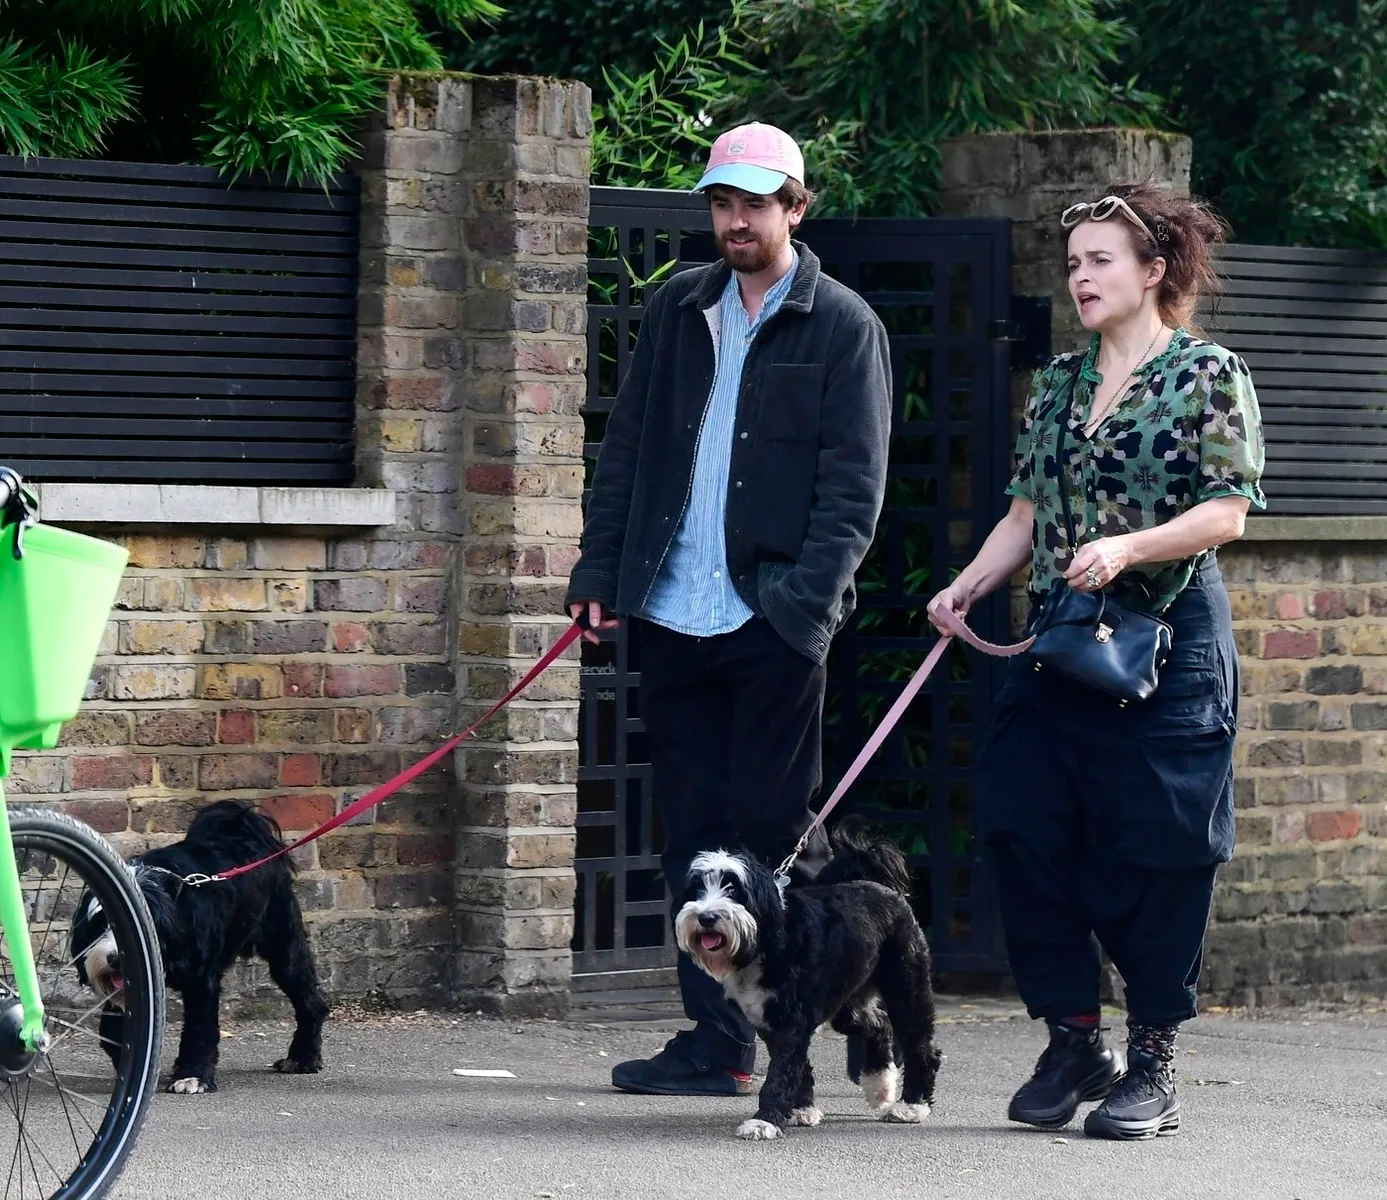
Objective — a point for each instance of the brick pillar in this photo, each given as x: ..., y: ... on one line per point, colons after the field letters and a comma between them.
x: 526, y: 235
x: 474, y: 351
x: 1029, y: 179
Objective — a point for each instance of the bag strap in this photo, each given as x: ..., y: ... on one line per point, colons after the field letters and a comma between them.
x: 1074, y: 372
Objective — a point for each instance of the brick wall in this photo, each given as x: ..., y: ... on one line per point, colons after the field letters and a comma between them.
x: 297, y: 671
x: 294, y: 672
x: 1301, y: 912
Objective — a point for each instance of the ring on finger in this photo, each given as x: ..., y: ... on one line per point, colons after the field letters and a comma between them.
x: 1091, y: 577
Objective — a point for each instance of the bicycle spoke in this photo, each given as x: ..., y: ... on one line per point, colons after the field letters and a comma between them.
x: 91, y: 1033
x: 13, y: 1098
x: 31, y: 1145
x: 67, y: 1113
x: 62, y: 1037
x: 70, y: 1094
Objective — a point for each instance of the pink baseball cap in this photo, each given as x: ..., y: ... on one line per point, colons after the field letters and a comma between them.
x: 756, y: 158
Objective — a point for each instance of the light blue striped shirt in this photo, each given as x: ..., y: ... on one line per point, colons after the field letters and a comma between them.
x: 692, y: 593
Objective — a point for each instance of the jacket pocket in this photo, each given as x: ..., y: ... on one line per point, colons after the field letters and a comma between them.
x: 791, y: 398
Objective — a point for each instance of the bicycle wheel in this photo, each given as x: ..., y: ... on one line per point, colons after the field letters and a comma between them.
x: 69, y: 1114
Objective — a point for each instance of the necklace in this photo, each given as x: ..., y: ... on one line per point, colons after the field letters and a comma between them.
x: 1091, y: 425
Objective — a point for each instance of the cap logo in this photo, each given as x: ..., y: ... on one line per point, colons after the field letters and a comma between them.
x: 736, y: 149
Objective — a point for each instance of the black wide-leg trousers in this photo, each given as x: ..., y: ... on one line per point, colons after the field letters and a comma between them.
x: 733, y: 728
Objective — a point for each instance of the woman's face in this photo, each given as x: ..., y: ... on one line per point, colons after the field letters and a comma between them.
x: 1107, y: 282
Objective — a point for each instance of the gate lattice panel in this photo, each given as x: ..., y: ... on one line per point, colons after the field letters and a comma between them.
x: 941, y: 288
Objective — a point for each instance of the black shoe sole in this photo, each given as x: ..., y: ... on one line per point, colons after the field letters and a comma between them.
x: 1113, y: 1131
x: 1096, y: 1087
x: 732, y: 1087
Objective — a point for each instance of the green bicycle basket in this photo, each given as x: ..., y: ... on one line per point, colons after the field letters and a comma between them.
x: 54, y: 605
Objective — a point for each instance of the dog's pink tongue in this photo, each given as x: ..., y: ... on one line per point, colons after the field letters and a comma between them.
x: 711, y: 941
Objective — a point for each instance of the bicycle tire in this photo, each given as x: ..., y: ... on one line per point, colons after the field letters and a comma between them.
x: 110, y: 879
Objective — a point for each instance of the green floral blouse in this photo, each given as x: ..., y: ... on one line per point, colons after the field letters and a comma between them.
x: 1187, y: 430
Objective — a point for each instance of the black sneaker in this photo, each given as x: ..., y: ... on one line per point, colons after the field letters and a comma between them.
x: 679, y: 1070
x: 1075, y: 1067
x: 1143, y: 1105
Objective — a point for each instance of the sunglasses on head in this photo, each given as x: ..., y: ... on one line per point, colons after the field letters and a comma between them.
x: 1102, y: 209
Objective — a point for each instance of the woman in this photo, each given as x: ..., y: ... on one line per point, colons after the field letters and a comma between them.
x: 1107, y: 822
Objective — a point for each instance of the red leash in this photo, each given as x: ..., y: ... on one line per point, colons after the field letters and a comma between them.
x: 390, y: 787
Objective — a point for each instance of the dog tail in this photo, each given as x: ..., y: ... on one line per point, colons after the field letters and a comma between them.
x: 861, y: 853
x: 234, y: 823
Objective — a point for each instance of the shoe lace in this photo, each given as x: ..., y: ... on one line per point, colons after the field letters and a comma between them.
x: 1143, y: 1083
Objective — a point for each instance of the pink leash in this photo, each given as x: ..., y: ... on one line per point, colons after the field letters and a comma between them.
x: 957, y: 629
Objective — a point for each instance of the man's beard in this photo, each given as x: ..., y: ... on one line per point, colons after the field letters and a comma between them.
x: 751, y: 258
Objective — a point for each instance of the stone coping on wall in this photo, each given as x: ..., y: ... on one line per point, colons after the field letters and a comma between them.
x: 198, y: 504
x: 1316, y: 529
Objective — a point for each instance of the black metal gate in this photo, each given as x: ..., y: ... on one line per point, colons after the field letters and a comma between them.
x: 942, y: 288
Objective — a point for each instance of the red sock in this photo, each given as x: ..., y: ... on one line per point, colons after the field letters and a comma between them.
x: 1085, y: 1021
x: 740, y: 1076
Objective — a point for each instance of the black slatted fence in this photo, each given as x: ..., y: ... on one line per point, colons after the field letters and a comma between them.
x: 1312, y: 325
x: 160, y: 325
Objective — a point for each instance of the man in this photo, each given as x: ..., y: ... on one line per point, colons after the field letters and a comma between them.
x: 735, y: 495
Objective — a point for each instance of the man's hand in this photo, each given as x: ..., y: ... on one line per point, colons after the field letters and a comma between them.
x: 598, y: 618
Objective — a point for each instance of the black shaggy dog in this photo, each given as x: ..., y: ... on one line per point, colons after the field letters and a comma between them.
x: 203, y: 930
x: 846, y: 950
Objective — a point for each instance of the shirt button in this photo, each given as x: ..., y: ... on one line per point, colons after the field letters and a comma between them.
x: 717, y: 574
x: 739, y: 483
x: 743, y: 435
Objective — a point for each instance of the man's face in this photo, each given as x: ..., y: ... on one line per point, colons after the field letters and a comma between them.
x: 751, y: 230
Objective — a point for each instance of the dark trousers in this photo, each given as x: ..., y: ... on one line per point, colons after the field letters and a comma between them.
x: 733, y: 723
x: 1059, y: 905
x: 1107, y: 824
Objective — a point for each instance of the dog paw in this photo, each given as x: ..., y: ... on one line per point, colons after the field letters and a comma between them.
x: 191, y: 1086
x: 294, y: 1066
x: 809, y: 1117
x: 757, y: 1131
x: 879, y: 1088
x: 906, y: 1114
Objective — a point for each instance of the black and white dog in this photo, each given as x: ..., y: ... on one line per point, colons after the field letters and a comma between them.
x: 845, y: 950
x: 203, y: 930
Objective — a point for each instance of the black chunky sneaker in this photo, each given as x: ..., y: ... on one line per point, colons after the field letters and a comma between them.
x: 1075, y: 1067
x: 680, y: 1069
x: 1143, y: 1105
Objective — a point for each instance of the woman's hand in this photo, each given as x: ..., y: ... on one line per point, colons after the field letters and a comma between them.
x: 1098, y: 563
x: 957, y: 598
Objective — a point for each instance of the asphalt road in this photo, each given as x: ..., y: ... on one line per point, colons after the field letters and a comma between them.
x: 1286, y: 1109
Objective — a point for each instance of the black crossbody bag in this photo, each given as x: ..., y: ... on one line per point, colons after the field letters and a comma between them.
x: 1090, y: 637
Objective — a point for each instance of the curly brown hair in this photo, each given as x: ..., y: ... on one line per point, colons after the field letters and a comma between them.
x: 1186, y: 230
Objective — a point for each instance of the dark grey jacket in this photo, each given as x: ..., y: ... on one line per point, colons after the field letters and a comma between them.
x: 808, y: 468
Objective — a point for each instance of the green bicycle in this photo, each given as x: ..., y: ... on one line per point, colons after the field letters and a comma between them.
x: 74, y: 1114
